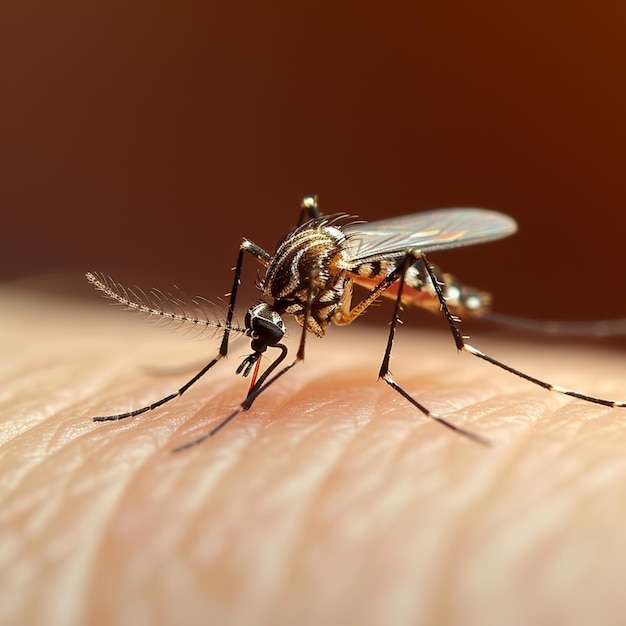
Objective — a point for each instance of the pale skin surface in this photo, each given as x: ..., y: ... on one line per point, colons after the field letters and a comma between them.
x: 332, y: 501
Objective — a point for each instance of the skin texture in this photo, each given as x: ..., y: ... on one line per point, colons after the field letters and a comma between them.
x: 331, y: 501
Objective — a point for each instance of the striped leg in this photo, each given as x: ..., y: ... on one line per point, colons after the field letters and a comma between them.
x: 463, y: 346
x: 385, y: 373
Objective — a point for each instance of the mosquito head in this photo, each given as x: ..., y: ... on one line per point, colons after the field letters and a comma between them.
x: 265, y: 326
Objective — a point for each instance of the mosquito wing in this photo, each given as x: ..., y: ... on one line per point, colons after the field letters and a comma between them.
x: 432, y: 230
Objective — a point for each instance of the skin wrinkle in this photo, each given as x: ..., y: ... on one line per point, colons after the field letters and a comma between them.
x: 449, y: 578
x: 331, y: 496
x: 299, y: 525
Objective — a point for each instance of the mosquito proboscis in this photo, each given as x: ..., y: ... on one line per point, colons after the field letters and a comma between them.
x: 311, y: 277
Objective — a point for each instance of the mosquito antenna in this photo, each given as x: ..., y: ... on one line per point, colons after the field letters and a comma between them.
x: 158, y: 305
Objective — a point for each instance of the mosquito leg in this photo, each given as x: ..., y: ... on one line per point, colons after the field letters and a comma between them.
x: 158, y: 403
x: 462, y: 345
x: 246, y: 247
x: 385, y: 372
x: 309, y: 209
x: 347, y: 317
x: 263, y: 383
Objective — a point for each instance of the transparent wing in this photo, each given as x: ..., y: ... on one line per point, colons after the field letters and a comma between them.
x: 432, y: 230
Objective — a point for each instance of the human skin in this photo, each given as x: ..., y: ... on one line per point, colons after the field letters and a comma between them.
x: 332, y: 501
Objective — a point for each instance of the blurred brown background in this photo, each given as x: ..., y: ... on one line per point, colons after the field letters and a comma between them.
x: 144, y: 139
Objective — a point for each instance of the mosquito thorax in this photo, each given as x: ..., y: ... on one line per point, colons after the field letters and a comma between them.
x: 309, y: 263
x: 265, y: 326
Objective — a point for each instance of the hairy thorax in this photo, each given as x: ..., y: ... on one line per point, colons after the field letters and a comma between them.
x: 309, y: 264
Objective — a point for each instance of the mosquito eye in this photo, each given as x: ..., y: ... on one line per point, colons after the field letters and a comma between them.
x: 268, y: 331
x: 266, y: 326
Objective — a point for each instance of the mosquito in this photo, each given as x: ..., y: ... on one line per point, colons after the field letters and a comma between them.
x: 311, y: 277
